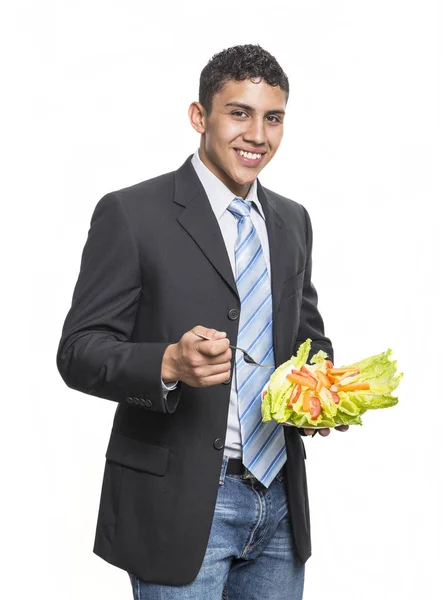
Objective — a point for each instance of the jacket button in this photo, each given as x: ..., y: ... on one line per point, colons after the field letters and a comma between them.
x: 142, y: 402
x: 227, y: 382
x: 233, y: 314
x: 148, y: 403
x: 129, y: 400
x: 218, y: 444
x: 136, y: 401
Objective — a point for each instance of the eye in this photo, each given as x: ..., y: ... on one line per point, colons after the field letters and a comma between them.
x: 239, y: 113
x: 274, y: 119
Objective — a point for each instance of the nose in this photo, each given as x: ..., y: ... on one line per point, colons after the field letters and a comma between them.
x: 255, y: 132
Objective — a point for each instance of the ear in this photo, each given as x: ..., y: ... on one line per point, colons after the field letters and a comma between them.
x: 197, y: 116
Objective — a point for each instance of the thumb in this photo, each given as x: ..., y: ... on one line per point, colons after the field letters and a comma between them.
x: 219, y: 335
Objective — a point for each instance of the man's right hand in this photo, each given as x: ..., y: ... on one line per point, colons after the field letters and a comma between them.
x: 197, y: 362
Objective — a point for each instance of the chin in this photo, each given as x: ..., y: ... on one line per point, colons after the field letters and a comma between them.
x: 246, y: 176
x: 247, y: 180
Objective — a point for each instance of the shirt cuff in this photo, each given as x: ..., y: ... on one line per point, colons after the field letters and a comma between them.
x: 168, y: 387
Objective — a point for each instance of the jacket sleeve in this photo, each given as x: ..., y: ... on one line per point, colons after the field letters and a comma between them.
x: 95, y: 354
x: 311, y: 322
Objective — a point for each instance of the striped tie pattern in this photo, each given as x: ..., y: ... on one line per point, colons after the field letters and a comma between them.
x: 263, y: 444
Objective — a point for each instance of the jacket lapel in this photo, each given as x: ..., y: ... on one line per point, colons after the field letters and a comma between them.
x: 199, y: 221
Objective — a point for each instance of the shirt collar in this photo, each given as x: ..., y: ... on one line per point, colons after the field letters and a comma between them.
x: 220, y: 197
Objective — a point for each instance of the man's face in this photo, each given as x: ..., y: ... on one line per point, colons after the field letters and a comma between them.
x: 243, y: 132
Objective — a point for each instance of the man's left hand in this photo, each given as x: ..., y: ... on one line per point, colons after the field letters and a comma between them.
x: 326, y: 431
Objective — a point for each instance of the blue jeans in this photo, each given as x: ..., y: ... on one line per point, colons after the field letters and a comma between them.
x: 250, y: 553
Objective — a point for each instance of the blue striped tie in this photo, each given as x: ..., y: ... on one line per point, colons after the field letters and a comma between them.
x: 263, y: 444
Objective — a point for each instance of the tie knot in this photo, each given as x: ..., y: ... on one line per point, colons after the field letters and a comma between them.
x: 240, y: 208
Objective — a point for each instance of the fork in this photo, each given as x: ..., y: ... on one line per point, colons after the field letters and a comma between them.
x: 247, y: 358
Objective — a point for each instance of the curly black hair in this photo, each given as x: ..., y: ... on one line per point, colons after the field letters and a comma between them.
x: 239, y: 63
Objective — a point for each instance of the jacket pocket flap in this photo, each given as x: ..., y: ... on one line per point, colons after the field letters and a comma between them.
x: 137, y: 454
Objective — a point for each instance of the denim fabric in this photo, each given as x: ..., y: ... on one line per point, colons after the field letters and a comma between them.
x: 250, y: 553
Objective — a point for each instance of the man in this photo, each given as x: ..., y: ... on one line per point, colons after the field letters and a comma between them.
x: 199, y: 496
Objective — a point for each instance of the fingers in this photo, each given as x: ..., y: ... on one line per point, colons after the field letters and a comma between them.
x: 214, y: 349
x: 213, y: 379
x: 204, y: 362
x: 212, y: 334
x: 326, y: 430
x: 206, y: 370
x: 342, y: 428
x: 215, y: 346
x: 208, y: 376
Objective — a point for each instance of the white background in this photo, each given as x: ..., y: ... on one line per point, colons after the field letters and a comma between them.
x: 95, y: 97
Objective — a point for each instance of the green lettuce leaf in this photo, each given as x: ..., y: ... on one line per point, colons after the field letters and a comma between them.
x: 266, y: 408
x: 319, y: 360
x: 378, y: 370
x: 280, y: 389
x: 302, y: 355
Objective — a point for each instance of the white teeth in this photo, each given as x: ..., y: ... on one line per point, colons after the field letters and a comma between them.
x: 249, y: 155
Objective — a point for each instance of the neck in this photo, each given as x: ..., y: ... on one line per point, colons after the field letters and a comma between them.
x: 238, y: 189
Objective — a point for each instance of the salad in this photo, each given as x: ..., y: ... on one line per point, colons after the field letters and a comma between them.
x: 320, y: 395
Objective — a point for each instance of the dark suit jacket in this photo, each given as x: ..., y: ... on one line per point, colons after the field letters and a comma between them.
x: 154, y: 266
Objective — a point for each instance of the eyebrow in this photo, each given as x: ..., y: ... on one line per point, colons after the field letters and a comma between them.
x: 278, y: 111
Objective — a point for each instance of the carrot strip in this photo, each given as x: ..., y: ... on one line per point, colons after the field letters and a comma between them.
x: 295, y: 395
x: 329, y: 364
x: 341, y: 371
x: 307, y: 374
x: 323, y: 378
x: 310, y: 382
x: 307, y: 400
x: 353, y: 387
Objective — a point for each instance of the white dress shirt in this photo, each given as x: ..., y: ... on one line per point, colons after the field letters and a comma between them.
x: 220, y: 197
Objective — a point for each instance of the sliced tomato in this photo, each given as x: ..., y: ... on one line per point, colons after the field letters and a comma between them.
x: 264, y: 394
x: 314, y: 407
x: 295, y: 395
x: 335, y: 397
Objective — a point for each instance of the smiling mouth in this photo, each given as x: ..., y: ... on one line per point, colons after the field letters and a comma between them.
x: 252, y: 158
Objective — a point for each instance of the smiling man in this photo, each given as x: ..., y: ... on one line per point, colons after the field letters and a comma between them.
x: 201, y: 499
x: 241, y: 130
